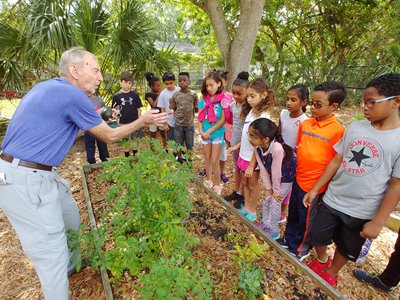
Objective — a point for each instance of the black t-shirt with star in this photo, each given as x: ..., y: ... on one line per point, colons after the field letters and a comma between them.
x: 130, y: 103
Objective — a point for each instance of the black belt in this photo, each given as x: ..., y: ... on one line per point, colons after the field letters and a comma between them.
x: 24, y: 163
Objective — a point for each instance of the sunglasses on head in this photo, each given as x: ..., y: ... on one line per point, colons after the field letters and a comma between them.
x: 317, y: 105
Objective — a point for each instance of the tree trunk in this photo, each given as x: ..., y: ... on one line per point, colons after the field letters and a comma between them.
x: 237, y: 51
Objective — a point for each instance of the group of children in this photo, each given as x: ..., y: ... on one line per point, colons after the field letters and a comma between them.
x: 330, y: 183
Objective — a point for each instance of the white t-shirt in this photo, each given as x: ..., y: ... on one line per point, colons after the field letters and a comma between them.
x: 290, y: 127
x: 163, y: 102
x: 246, y: 149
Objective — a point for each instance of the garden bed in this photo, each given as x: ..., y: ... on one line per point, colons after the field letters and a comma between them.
x: 225, y: 239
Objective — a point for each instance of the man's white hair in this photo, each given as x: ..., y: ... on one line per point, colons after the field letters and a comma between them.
x: 73, y: 56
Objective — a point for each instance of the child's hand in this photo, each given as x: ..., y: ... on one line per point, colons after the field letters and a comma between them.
x: 268, y: 193
x: 204, y: 136
x: 277, y: 196
x: 166, y: 127
x: 309, y: 198
x: 371, y: 230
x: 249, y: 171
x: 231, y: 149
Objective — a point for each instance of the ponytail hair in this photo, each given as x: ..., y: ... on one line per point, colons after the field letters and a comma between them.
x: 266, y: 128
x: 261, y: 86
x: 242, y: 79
x: 151, y: 79
x: 302, y: 93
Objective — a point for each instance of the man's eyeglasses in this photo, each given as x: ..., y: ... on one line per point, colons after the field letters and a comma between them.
x: 370, y: 103
x: 317, y: 105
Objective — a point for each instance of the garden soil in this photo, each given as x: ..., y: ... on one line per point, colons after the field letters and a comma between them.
x: 19, y: 280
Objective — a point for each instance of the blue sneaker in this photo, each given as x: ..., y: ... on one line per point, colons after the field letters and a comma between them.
x: 301, y: 256
x: 248, y: 215
x: 372, y: 279
x: 267, y: 230
x: 224, y: 178
x: 202, y: 173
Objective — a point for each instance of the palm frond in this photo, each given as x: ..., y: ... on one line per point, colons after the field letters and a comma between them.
x: 90, y: 18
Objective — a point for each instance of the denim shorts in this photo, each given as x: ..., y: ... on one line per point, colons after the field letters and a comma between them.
x: 215, y: 141
x: 184, y: 133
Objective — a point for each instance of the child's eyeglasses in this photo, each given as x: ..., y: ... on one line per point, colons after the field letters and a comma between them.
x: 317, y: 105
x: 370, y: 103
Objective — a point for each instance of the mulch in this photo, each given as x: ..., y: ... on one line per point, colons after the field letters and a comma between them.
x: 19, y: 280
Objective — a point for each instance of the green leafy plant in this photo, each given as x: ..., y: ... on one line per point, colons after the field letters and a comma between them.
x: 176, y: 278
x: 147, y: 204
x: 250, y: 281
x: 248, y: 253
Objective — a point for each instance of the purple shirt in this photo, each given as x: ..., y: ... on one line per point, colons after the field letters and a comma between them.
x: 46, y: 122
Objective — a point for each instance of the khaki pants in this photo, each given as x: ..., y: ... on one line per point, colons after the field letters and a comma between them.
x: 40, y: 207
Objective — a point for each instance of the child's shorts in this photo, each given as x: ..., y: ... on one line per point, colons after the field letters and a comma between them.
x: 215, y: 141
x: 134, y: 135
x: 235, y: 156
x: 224, y: 152
x: 330, y: 224
x: 184, y: 134
x: 153, y: 128
x: 242, y: 164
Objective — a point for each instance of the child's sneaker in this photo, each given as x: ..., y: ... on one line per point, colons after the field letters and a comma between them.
x: 238, y: 204
x: 202, y: 173
x: 251, y: 217
x: 283, y: 243
x: 373, y: 279
x: 302, y: 256
x: 282, y: 219
x: 265, y: 228
x: 231, y: 197
x: 329, y: 278
x: 319, y: 267
x: 224, y: 179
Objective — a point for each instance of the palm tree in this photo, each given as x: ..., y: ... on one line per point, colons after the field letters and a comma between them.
x: 118, y: 32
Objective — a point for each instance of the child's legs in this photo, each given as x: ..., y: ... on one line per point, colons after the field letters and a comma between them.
x: 90, y: 147
x: 103, y: 150
x: 266, y: 210
x: 285, y: 204
x: 189, y: 138
x: 246, y: 192
x: 163, y: 137
x: 238, y: 176
x: 223, y: 157
x: 208, y: 160
x: 297, y: 219
x: 215, y: 153
x: 170, y: 133
x: 275, y: 213
x: 391, y: 275
x: 254, y: 192
x: 347, y: 239
x: 178, y: 137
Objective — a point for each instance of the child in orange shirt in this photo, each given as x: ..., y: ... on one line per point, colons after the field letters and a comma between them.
x: 315, y: 142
